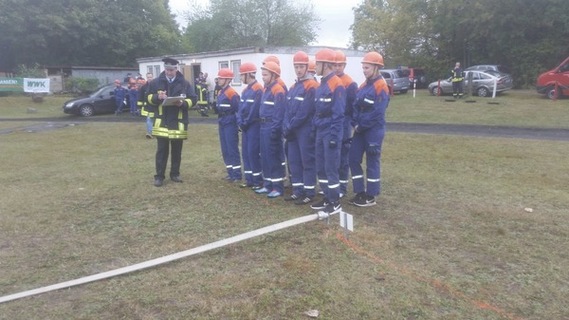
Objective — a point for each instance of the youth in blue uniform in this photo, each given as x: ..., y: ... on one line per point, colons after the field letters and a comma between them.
x: 248, y: 121
x: 227, y: 107
x: 120, y: 93
x: 297, y: 128
x: 330, y: 98
x: 271, y: 113
x: 371, y: 103
x: 351, y: 88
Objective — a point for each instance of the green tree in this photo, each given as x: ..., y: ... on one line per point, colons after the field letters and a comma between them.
x: 229, y: 24
x: 529, y: 36
x: 85, y: 32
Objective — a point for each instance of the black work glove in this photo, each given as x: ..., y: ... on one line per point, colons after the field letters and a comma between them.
x: 332, y: 144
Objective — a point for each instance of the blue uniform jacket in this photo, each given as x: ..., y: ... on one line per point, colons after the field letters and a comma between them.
x: 250, y: 103
x: 227, y: 105
x: 300, y: 105
x: 371, y: 103
x: 273, y: 104
x: 330, y: 98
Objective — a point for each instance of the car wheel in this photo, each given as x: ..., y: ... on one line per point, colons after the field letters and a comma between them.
x: 436, y: 91
x: 86, y: 110
x: 483, y: 92
x: 551, y: 93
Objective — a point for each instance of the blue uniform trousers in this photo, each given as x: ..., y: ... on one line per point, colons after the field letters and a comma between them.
x: 251, y: 150
x: 229, y: 140
x: 344, y: 171
x: 361, y: 144
x: 272, y: 154
x: 327, y: 165
x: 302, y: 163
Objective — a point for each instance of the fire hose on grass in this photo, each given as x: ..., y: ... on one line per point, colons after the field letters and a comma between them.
x: 169, y: 258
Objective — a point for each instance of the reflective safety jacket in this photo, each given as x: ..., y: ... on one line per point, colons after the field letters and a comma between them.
x: 457, y: 75
x: 300, y: 104
x: 330, y: 98
x: 145, y: 108
x: 202, y: 92
x: 227, y: 105
x: 171, y: 121
x: 371, y: 103
x: 249, y: 106
x: 273, y: 104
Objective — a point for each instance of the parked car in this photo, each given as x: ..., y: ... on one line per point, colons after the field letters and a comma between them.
x: 558, y: 76
x: 99, y: 102
x: 482, y: 83
x: 485, y: 67
x: 397, y: 79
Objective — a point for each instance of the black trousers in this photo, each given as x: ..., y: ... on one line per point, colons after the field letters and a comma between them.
x: 162, y: 156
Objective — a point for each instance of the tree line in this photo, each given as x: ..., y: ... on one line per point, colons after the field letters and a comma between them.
x: 527, y: 36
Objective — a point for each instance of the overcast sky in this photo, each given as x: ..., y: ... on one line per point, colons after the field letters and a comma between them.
x: 336, y: 16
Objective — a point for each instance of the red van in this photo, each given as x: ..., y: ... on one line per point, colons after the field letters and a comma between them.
x: 557, y: 77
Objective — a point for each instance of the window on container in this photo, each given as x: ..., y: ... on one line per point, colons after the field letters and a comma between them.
x: 235, y: 64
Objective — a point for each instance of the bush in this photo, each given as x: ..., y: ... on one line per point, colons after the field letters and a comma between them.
x: 81, y: 85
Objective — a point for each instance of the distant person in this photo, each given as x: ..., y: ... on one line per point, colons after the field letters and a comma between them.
x: 248, y: 122
x: 146, y: 109
x: 457, y: 81
x: 120, y: 94
x: 170, y: 125
x: 328, y: 123
x: 227, y: 107
x: 133, y: 96
x: 372, y: 99
x: 297, y: 128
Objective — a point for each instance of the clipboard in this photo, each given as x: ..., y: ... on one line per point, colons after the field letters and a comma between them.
x: 172, y: 101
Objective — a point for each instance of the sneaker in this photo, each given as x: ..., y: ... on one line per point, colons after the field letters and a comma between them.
x: 320, y: 204
x: 365, y: 201
x: 148, y: 136
x: 246, y: 185
x: 176, y: 179
x: 303, y: 200
x: 255, y: 188
x: 262, y: 190
x: 332, y: 208
x: 158, y: 182
x: 321, y: 192
x: 274, y: 194
x: 293, y: 197
x: 357, y: 198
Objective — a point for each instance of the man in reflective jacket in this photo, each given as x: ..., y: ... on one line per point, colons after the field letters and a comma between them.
x: 170, y: 120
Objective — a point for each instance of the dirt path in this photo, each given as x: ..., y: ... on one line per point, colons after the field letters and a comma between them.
x: 45, y: 124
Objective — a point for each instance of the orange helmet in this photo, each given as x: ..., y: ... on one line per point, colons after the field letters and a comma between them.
x: 300, y: 58
x: 272, y: 67
x: 373, y: 58
x: 326, y: 55
x: 225, y: 73
x: 311, y: 65
x: 247, y: 67
x: 273, y: 59
x: 340, y: 57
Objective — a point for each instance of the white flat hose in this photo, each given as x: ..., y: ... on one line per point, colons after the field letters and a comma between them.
x: 162, y: 260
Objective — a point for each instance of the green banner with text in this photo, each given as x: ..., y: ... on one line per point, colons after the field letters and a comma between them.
x: 12, y: 84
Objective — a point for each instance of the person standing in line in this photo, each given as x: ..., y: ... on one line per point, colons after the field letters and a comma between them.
x: 328, y: 121
x: 351, y: 88
x: 227, y: 107
x: 170, y: 120
x: 146, y: 109
x: 457, y: 81
x: 120, y: 93
x: 372, y: 99
x: 312, y: 69
x: 271, y: 113
x: 248, y: 121
x: 297, y: 126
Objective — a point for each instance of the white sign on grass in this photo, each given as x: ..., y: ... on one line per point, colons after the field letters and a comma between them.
x: 36, y: 85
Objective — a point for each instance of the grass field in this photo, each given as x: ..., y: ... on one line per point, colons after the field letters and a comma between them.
x: 452, y: 236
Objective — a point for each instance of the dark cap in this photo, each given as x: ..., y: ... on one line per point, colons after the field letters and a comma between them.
x: 170, y: 63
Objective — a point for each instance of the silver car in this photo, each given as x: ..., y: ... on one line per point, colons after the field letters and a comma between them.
x: 397, y: 79
x: 482, y: 83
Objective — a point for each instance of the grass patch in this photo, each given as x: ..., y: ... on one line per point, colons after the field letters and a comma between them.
x: 449, y: 238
